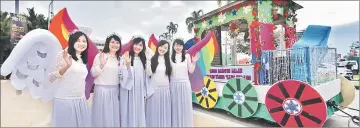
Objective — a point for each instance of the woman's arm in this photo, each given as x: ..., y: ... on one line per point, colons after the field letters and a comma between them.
x: 58, y: 69
x: 190, y: 64
x: 96, y: 69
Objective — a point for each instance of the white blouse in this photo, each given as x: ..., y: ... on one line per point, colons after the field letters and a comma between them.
x: 181, y: 69
x: 158, y: 78
x: 109, y: 74
x: 71, y: 85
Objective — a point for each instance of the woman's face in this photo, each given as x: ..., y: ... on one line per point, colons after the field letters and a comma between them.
x: 138, y: 47
x: 163, y: 49
x: 178, y: 48
x: 81, y: 44
x: 114, y: 45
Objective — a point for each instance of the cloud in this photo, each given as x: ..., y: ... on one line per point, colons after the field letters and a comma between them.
x: 156, y: 4
x: 330, y: 13
x: 176, y: 3
x: 147, y: 17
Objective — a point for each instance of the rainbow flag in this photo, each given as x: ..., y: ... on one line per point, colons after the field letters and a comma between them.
x: 153, y: 42
x: 61, y: 25
x: 207, y: 49
x: 125, y: 47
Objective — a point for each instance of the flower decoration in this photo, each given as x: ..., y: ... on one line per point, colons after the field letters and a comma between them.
x: 204, y: 24
x: 234, y: 29
x: 247, y: 9
x: 196, y: 30
x: 221, y: 18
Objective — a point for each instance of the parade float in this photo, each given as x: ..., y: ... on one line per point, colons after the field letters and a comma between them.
x: 294, y: 84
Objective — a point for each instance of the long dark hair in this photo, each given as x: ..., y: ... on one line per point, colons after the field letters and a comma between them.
x: 106, y: 48
x: 71, y: 49
x: 155, y: 62
x: 179, y: 42
x: 141, y: 54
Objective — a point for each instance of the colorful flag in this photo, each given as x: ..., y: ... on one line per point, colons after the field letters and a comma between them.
x: 153, y: 42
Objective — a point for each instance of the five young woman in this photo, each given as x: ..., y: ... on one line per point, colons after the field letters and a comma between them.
x: 138, y: 89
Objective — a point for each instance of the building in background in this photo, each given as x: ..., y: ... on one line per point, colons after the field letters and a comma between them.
x: 86, y: 30
x: 18, y: 27
x: 99, y: 44
x: 299, y: 34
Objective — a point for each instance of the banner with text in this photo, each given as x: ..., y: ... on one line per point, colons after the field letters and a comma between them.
x: 18, y: 27
x: 226, y: 73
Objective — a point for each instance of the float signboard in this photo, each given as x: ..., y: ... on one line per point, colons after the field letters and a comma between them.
x: 223, y: 74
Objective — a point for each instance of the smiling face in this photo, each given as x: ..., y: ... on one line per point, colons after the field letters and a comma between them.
x: 163, y: 49
x: 81, y: 44
x: 138, y: 47
x: 178, y: 48
x: 114, y: 45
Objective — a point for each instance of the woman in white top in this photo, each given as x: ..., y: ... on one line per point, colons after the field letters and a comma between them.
x: 70, y: 108
x: 106, y: 68
x: 134, y: 87
x: 158, y: 105
x: 181, y: 96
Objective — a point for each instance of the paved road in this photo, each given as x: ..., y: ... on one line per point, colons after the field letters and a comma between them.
x: 23, y: 111
x: 338, y: 120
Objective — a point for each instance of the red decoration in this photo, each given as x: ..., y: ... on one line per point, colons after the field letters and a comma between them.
x: 286, y: 14
x: 254, y: 12
x: 306, y: 105
x: 234, y: 26
x: 257, y: 66
x: 196, y: 30
x: 223, y: 11
x: 238, y: 6
x: 275, y: 17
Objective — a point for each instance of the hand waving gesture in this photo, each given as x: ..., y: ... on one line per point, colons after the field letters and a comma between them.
x: 67, y: 58
x: 103, y: 59
x: 127, y: 59
x: 196, y: 57
x: 148, y: 53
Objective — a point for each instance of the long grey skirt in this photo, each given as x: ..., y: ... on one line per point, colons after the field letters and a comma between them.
x: 158, y: 108
x: 71, y: 113
x: 181, y: 104
x: 105, y: 106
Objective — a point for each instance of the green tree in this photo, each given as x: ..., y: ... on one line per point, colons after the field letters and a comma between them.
x: 172, y: 29
x: 5, y: 25
x: 35, y: 20
x: 190, y: 20
x: 165, y: 35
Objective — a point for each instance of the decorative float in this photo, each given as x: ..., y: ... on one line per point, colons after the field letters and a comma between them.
x: 286, y: 81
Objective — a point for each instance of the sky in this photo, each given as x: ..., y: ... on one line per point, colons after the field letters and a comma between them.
x: 142, y: 18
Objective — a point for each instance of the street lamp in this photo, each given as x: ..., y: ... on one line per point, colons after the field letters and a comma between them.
x: 50, y: 12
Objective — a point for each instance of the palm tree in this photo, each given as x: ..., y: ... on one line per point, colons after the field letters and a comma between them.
x: 5, y: 25
x: 165, y: 35
x: 190, y: 20
x: 172, y: 29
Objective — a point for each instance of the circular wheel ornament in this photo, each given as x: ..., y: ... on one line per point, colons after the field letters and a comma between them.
x: 208, y: 95
x: 240, y: 97
x: 293, y: 103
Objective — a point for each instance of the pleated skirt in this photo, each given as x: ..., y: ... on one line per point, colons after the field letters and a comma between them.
x: 158, y: 108
x: 71, y: 113
x: 181, y: 104
x: 105, y: 106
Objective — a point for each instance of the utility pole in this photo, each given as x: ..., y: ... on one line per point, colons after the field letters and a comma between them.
x: 16, y: 6
x: 50, y: 12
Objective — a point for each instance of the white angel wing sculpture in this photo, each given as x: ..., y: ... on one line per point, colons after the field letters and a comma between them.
x: 31, y: 61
